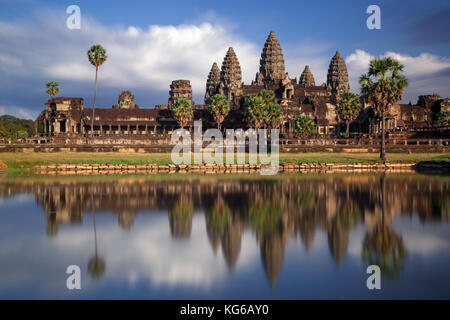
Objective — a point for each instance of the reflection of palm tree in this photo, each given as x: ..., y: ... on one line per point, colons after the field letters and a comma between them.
x: 265, y: 216
x: 382, y: 246
x: 96, y: 265
x: 180, y: 217
x: 386, y: 249
x: 52, y: 229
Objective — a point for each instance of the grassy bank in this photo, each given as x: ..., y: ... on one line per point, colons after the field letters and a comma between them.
x: 28, y: 160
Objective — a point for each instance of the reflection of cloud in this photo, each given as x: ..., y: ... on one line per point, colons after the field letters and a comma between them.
x: 147, y: 253
x: 426, y: 72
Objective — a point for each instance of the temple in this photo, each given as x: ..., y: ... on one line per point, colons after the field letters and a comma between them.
x: 67, y: 119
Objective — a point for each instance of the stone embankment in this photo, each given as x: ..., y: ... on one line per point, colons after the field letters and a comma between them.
x: 109, y: 169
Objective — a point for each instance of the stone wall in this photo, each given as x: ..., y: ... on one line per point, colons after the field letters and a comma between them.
x: 110, y: 169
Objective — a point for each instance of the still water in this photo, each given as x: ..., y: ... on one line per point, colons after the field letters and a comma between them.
x: 187, y: 237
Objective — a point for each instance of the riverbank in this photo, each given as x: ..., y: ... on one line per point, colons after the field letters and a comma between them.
x: 118, y: 163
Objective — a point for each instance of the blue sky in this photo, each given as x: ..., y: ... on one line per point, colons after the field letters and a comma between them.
x: 151, y: 43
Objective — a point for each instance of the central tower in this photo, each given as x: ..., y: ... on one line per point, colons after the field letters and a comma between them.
x: 271, y: 65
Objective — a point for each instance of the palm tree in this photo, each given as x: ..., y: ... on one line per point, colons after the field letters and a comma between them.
x: 262, y: 108
x: 303, y: 126
x: 273, y: 115
x: 383, y: 86
x: 182, y: 111
x: 348, y: 108
x: 254, y: 108
x: 219, y: 107
x: 97, y: 56
x: 52, y: 88
x: 443, y: 118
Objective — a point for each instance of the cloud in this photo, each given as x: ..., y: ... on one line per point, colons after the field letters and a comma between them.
x: 138, y: 59
x: 426, y: 73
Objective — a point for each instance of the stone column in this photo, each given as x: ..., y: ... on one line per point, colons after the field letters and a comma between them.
x: 35, y: 127
x: 128, y: 129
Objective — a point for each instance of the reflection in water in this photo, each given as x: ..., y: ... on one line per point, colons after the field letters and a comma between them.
x: 275, y: 210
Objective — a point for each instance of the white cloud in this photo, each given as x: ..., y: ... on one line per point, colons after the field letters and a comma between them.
x: 137, y: 58
x: 422, y: 71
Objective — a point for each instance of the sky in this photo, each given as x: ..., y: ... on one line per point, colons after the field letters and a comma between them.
x: 151, y: 43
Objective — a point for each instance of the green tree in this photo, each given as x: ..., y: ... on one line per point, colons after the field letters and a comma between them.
x: 254, y: 108
x: 273, y: 115
x: 304, y: 126
x: 219, y: 107
x: 383, y: 85
x: 52, y: 88
x: 182, y: 111
x: 443, y: 118
x: 97, y: 57
x: 262, y: 109
x: 268, y: 96
x: 348, y: 108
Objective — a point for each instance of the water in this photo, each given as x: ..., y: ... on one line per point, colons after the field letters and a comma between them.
x: 187, y: 237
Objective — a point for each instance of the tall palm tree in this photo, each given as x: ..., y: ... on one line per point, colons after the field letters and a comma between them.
x: 383, y: 86
x: 52, y: 88
x: 97, y: 56
x: 348, y: 108
x: 182, y: 111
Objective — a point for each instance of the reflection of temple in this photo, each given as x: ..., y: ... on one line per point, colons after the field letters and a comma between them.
x: 275, y: 210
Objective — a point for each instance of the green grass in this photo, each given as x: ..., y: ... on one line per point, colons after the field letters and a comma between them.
x: 22, y: 160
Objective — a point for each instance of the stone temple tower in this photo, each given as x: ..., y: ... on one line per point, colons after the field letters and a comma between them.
x: 180, y: 89
x: 271, y: 65
x: 307, y: 78
x: 213, y: 82
x: 337, y: 78
x: 231, y: 77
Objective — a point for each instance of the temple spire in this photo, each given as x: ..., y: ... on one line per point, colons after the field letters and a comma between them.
x: 213, y: 82
x: 231, y: 76
x: 337, y: 78
x: 307, y: 78
x: 271, y: 68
